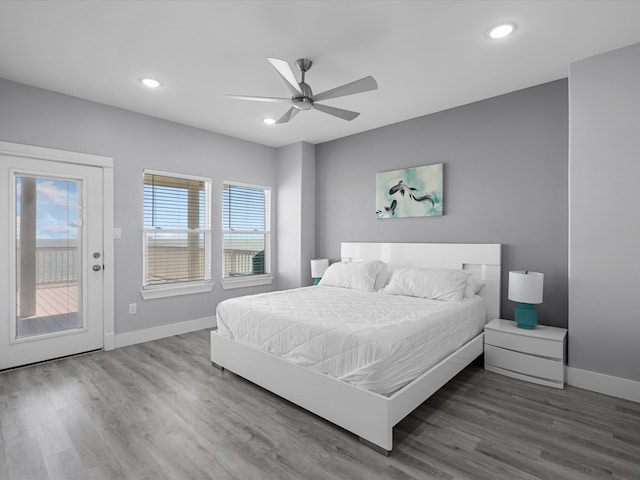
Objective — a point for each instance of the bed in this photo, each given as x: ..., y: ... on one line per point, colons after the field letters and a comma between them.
x: 367, y: 402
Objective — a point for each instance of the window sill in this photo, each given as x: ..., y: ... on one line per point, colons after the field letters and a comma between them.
x: 241, y: 282
x: 175, y: 290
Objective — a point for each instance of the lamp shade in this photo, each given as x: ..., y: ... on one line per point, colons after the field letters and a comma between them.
x: 318, y: 267
x: 525, y: 287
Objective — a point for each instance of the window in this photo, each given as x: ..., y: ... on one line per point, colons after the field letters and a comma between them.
x: 177, y: 230
x: 246, y: 225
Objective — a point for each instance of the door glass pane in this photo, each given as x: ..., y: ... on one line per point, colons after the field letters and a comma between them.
x: 47, y: 255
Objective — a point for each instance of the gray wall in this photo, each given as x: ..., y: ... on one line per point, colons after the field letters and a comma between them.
x: 42, y: 118
x: 505, y: 168
x: 604, y: 323
x: 296, y: 214
x: 308, y: 214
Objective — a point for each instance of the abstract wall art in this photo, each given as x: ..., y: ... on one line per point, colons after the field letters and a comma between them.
x: 411, y: 192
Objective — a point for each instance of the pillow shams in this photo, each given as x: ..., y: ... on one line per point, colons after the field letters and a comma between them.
x: 357, y: 275
x: 435, y: 284
x: 474, y: 285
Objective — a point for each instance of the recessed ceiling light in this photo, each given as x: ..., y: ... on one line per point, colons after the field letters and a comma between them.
x: 150, y: 82
x: 501, y: 31
x: 269, y: 121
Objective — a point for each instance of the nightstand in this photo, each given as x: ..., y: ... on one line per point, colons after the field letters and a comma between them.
x: 537, y: 355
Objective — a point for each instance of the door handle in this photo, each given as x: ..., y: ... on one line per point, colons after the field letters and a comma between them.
x: 96, y: 268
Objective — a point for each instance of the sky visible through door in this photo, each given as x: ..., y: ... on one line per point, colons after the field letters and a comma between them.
x: 57, y: 208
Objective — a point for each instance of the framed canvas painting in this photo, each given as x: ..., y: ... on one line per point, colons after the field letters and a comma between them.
x: 411, y: 192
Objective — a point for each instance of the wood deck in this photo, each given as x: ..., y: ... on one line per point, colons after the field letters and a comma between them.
x: 56, y: 310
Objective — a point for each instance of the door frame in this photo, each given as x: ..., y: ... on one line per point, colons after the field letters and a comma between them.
x: 106, y: 163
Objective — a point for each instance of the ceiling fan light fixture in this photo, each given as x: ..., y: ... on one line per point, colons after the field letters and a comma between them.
x: 303, y: 98
x: 501, y: 31
x: 150, y: 82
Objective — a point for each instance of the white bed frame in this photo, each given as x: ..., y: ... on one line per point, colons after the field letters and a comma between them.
x: 369, y: 415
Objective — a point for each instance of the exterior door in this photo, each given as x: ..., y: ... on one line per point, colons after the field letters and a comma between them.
x: 51, y: 260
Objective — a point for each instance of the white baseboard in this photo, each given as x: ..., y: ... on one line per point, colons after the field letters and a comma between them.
x: 601, y: 383
x: 155, y: 333
x: 109, y: 341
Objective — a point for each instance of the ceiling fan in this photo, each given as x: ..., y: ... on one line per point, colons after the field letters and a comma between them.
x: 302, y: 97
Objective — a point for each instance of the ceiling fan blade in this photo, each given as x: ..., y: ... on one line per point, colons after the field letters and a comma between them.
x: 258, y: 99
x: 363, y: 85
x: 336, y: 112
x: 292, y: 112
x: 284, y: 70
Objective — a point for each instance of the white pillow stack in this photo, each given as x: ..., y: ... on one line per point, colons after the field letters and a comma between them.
x: 449, y: 285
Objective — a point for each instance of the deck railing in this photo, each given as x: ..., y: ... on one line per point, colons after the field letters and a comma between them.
x: 60, y: 264
x: 54, y: 265
x: 240, y: 262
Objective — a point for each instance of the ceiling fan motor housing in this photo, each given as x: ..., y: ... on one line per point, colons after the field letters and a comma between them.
x: 305, y: 102
x: 302, y: 103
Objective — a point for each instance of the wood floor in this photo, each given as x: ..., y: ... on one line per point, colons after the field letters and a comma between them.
x: 56, y: 310
x: 159, y: 410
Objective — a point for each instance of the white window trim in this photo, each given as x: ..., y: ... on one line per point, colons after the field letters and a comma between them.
x: 174, y: 290
x: 150, y: 292
x: 248, y: 281
x: 230, y: 283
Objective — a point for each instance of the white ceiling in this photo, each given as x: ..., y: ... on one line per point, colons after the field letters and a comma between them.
x: 426, y: 56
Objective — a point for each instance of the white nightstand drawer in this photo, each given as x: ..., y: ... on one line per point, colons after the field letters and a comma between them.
x: 535, y: 346
x: 524, y: 364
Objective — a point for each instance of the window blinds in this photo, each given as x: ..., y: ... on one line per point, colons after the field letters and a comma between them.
x: 245, y: 228
x: 177, y: 236
x: 171, y: 202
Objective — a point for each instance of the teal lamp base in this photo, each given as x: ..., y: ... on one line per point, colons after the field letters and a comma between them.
x: 526, y: 316
x: 316, y: 281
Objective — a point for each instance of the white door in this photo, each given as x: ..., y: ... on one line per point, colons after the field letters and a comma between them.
x: 51, y: 260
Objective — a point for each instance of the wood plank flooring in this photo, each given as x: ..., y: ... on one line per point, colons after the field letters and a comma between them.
x: 160, y: 411
x: 56, y: 310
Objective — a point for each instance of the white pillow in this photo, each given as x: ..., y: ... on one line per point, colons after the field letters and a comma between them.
x: 474, y: 285
x: 357, y: 275
x: 436, y: 284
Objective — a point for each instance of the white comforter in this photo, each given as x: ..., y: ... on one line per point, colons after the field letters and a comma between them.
x: 375, y: 341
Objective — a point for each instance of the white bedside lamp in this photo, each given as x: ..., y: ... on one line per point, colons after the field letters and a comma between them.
x: 318, y: 267
x: 526, y: 288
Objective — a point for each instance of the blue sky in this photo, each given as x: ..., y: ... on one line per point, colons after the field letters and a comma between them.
x: 57, y: 208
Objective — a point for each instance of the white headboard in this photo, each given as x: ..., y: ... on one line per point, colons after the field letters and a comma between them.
x: 483, y: 260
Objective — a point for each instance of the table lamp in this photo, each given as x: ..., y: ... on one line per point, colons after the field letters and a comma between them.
x: 318, y: 267
x: 525, y: 288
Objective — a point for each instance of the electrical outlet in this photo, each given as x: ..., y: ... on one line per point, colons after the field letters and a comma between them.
x: 133, y: 308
